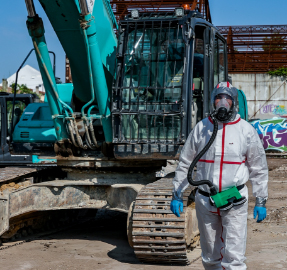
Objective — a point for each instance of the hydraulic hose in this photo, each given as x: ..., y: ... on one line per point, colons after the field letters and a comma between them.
x: 70, y: 126
x: 93, y: 135
x: 197, y: 158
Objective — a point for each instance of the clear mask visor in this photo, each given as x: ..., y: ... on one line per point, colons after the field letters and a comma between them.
x: 223, y: 101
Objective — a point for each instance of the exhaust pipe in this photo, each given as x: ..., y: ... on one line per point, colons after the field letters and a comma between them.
x: 30, y: 8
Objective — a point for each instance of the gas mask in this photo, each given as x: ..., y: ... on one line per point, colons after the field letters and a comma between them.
x: 223, y: 105
x: 224, y: 102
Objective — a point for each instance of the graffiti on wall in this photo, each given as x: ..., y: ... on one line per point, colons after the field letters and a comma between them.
x: 273, y: 109
x: 273, y: 133
x: 280, y: 110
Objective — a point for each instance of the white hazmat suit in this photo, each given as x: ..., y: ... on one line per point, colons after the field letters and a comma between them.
x: 235, y: 156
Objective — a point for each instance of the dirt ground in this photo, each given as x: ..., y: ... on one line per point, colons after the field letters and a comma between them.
x: 102, y: 244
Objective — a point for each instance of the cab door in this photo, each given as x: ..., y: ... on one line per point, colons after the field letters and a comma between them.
x: 200, y: 74
x: 209, y: 67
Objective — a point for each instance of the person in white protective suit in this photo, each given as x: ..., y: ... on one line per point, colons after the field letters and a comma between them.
x: 235, y: 156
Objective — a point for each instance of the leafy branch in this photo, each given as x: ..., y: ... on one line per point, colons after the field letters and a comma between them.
x: 22, y: 89
x: 280, y: 72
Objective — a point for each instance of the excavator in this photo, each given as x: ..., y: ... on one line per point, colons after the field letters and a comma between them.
x: 139, y: 87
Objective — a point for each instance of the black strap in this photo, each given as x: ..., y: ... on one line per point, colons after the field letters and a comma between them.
x: 206, y: 194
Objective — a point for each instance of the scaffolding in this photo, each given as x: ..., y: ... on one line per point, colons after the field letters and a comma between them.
x: 255, y: 48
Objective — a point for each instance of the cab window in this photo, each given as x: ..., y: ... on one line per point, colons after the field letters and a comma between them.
x: 221, y: 60
x: 198, y: 60
x: 219, y: 68
x: 18, y: 110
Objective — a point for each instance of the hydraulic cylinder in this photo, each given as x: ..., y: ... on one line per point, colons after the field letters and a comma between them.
x: 99, y: 79
x: 36, y: 31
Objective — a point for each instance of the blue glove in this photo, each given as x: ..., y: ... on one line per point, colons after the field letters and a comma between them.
x: 261, y: 212
x: 175, y: 206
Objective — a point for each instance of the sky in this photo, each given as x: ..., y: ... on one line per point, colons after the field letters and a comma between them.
x: 15, y: 42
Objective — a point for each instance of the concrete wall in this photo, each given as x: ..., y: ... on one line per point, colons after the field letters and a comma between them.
x: 258, y: 88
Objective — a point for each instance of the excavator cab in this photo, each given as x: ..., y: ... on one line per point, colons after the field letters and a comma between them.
x: 10, y: 117
x: 167, y: 65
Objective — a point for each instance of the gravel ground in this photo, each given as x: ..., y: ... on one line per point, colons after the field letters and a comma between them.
x: 102, y: 244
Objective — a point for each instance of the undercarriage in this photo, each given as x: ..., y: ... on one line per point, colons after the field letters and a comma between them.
x: 30, y: 197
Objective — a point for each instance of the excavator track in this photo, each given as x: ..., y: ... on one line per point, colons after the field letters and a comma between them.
x: 155, y: 233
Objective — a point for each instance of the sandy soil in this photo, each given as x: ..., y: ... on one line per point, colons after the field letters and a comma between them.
x: 102, y: 244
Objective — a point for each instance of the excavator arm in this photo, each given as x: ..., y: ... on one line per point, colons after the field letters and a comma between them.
x: 86, y: 32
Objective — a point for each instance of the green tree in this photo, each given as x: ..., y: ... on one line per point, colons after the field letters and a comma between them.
x: 274, y: 43
x: 21, y: 89
x: 280, y: 72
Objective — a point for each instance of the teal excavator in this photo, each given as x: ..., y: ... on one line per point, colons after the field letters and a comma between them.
x: 139, y: 87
